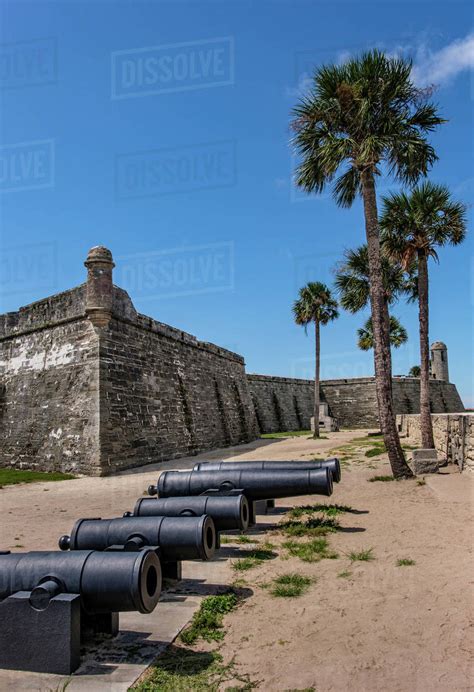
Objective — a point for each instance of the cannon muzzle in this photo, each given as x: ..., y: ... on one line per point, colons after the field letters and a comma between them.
x: 255, y: 485
x: 178, y: 538
x: 332, y: 464
x: 106, y: 582
x: 228, y: 513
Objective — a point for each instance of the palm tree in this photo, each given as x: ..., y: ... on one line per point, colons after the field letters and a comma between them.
x: 315, y: 304
x: 414, y: 225
x: 398, y: 334
x: 360, y: 119
x: 353, y: 284
x: 414, y: 371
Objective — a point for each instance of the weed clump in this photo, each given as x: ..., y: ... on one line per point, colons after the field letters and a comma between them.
x: 362, y: 556
x: 405, y: 562
x: 329, y: 510
x: 290, y: 586
x: 314, y: 526
x: 253, y: 558
x: 345, y: 574
x: 310, y: 551
x: 207, y: 621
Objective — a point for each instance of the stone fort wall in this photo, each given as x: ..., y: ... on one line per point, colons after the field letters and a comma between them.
x: 49, y: 386
x: 92, y: 394
x: 453, y: 436
x: 287, y: 404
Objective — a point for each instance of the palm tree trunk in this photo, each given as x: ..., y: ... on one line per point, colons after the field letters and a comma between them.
x: 383, y: 375
x: 316, y: 379
x: 388, y: 346
x: 427, y: 439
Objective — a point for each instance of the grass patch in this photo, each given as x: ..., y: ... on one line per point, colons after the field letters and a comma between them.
x: 314, y: 526
x: 207, y: 621
x: 310, y: 551
x: 245, y: 539
x: 253, y: 558
x: 238, y: 539
x: 288, y: 433
x: 226, y: 539
x: 405, y: 562
x: 362, y: 556
x: 14, y: 476
x: 290, y: 586
x: 345, y: 574
x: 329, y: 510
x: 376, y: 451
x: 421, y: 481
x: 382, y: 479
x: 182, y: 670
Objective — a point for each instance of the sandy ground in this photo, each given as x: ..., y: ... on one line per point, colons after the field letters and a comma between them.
x: 383, y: 627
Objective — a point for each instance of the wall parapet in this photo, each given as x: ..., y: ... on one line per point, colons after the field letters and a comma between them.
x: 69, y: 306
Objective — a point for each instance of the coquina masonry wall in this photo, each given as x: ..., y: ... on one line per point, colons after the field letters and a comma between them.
x: 281, y: 403
x: 453, y: 434
x: 49, y: 386
x: 164, y: 394
x: 89, y: 385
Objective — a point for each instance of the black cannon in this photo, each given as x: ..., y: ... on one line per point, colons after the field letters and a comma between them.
x: 50, y: 600
x: 255, y: 485
x: 228, y: 513
x: 332, y: 464
x: 174, y: 538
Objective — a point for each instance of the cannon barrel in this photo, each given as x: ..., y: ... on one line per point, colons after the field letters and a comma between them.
x: 228, y: 513
x: 178, y: 538
x: 106, y: 582
x: 332, y: 464
x: 255, y: 485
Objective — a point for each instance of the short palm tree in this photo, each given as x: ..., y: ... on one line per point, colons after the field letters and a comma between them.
x: 359, y: 119
x: 414, y: 225
x: 353, y: 284
x: 315, y: 304
x: 398, y: 334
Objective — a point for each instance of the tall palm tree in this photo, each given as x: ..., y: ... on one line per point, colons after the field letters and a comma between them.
x: 315, y: 304
x: 361, y: 118
x: 353, y: 284
x: 413, y: 226
x: 398, y: 334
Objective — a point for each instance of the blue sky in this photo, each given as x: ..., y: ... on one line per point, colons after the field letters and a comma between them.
x: 161, y: 130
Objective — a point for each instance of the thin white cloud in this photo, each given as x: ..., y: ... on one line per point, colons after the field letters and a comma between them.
x: 440, y: 67
x: 430, y: 67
